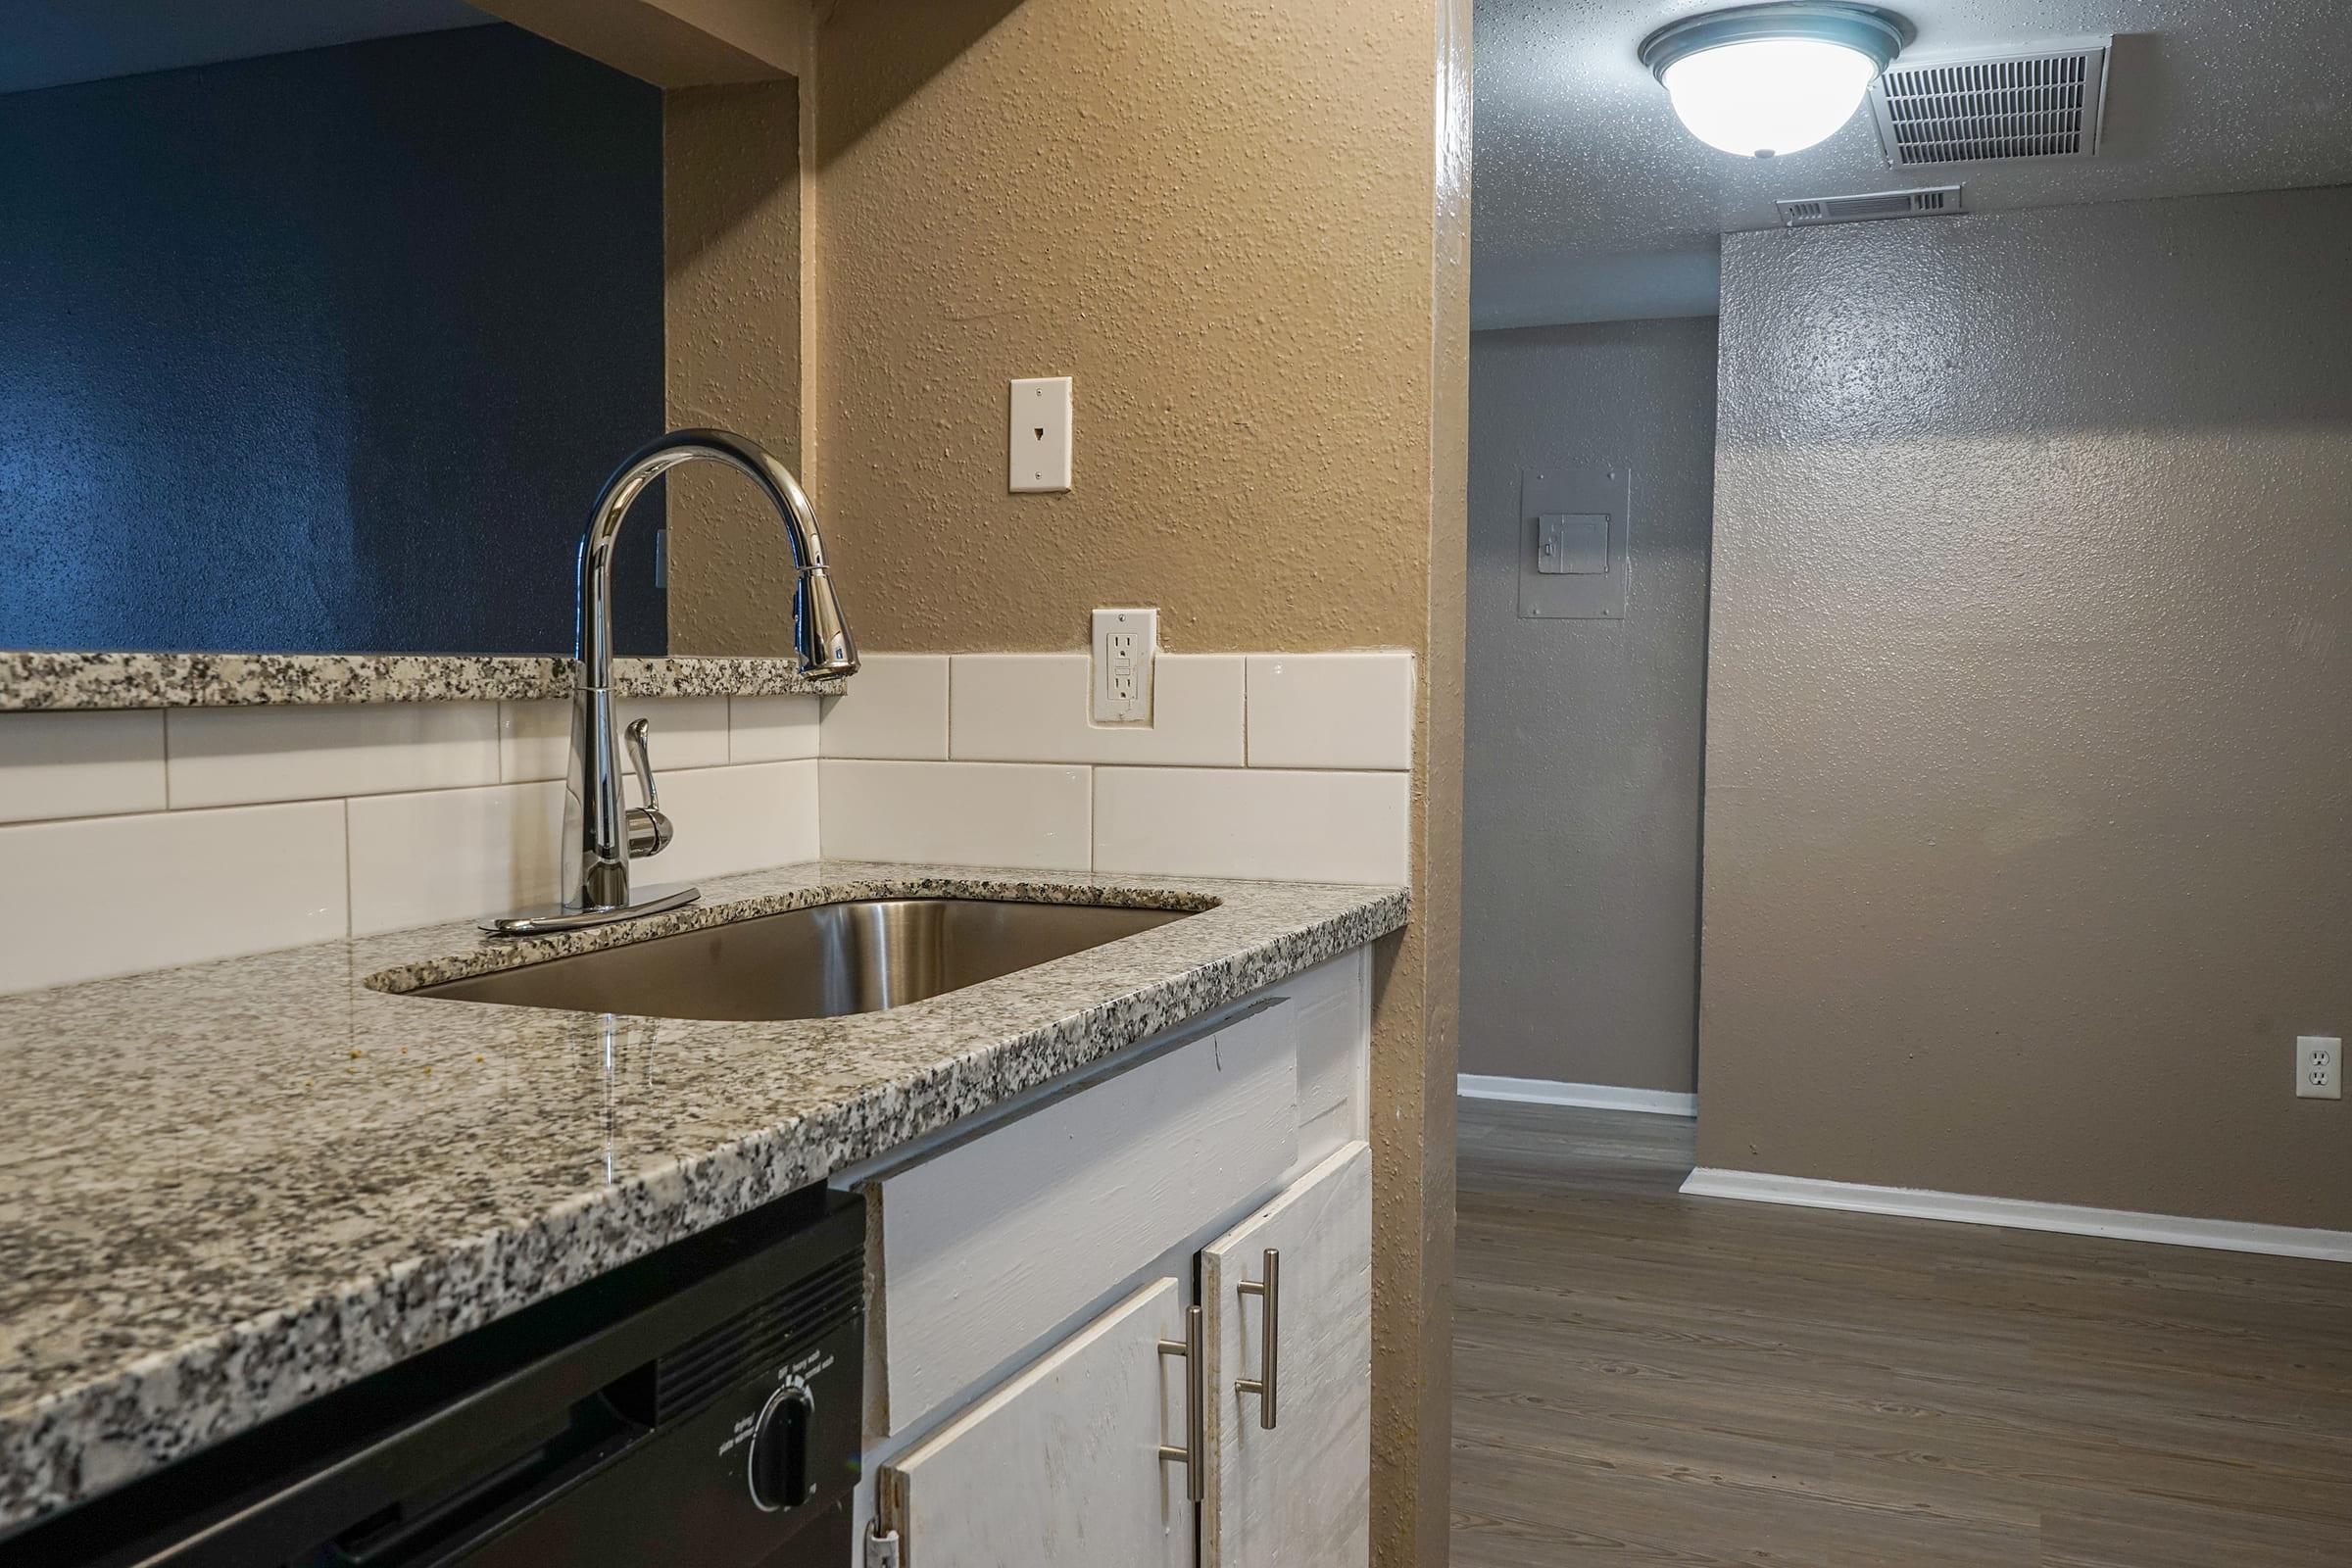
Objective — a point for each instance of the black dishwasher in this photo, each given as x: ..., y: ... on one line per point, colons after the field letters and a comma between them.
x: 701, y: 1405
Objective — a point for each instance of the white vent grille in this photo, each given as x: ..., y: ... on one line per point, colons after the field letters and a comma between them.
x: 1930, y: 202
x: 2047, y: 104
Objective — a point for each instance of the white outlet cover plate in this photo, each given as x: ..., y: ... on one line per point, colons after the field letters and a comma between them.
x: 1036, y: 442
x: 1126, y: 642
x: 2326, y: 1084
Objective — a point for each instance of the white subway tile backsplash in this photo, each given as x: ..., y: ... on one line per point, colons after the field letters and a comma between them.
x: 1297, y: 826
x: 772, y: 729
x: 452, y: 855
x: 138, y: 840
x: 735, y: 819
x: 534, y: 739
x: 895, y: 707
x: 111, y: 895
x: 958, y: 813
x: 79, y: 764
x: 689, y: 734
x: 687, y: 731
x: 237, y: 756
x: 1331, y: 710
x: 449, y: 855
x: 1033, y: 708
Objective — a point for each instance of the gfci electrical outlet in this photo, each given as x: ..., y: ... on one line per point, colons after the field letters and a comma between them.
x: 1126, y: 641
x: 1037, y: 443
x: 2319, y: 1068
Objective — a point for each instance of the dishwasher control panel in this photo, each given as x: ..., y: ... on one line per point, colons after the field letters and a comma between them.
x: 764, y: 1462
x: 750, y: 1439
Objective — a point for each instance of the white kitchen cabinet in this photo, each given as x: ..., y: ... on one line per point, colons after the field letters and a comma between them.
x: 1072, y: 1460
x: 984, y: 1246
x: 1333, y: 1003
x: 1295, y: 1494
x: 1024, y: 1268
x: 1061, y: 1467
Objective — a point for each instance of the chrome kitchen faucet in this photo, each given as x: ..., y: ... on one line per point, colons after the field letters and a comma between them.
x: 599, y: 835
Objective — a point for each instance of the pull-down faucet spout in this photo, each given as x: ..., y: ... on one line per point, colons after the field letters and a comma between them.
x: 600, y: 834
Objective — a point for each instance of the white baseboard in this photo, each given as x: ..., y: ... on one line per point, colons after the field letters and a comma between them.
x: 1597, y: 1097
x: 2017, y: 1213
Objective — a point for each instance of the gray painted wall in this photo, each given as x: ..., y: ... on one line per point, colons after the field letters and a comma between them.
x: 1580, y: 923
x: 2029, y: 715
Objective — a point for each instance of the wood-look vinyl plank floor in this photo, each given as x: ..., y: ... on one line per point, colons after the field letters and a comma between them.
x: 1642, y: 1378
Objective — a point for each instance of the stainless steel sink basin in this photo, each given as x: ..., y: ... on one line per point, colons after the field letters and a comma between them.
x: 817, y: 963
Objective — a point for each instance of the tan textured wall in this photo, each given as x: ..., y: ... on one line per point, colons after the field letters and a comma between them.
x: 1243, y: 228
x: 731, y: 195
x: 1214, y: 215
x: 1417, y: 1054
x: 2030, y: 706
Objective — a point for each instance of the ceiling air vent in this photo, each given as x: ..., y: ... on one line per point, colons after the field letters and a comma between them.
x: 1929, y: 202
x: 2045, y: 104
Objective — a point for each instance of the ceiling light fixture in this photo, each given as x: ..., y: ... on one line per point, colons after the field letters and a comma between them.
x: 1769, y: 79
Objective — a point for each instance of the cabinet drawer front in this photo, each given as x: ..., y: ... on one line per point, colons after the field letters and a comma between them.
x: 987, y: 1245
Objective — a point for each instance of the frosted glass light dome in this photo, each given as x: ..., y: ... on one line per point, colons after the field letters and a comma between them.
x: 1771, y: 96
x: 1765, y: 80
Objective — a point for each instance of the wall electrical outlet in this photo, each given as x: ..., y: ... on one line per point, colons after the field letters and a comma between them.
x: 2319, y: 1068
x: 1126, y: 642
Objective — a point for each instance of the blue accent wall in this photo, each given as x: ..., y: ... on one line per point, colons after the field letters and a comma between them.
x: 327, y: 351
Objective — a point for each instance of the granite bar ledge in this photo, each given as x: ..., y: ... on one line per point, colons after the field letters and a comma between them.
x: 32, y: 681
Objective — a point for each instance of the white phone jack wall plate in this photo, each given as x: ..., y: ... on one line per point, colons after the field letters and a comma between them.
x: 1126, y: 642
x: 1037, y: 438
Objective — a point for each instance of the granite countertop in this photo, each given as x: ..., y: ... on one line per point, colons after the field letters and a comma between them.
x: 48, y: 682
x: 230, y: 1188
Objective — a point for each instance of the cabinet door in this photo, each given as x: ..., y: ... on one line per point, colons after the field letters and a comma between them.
x: 1298, y: 1494
x: 1060, y: 1468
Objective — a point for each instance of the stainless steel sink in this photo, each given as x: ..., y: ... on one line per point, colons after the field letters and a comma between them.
x: 817, y: 963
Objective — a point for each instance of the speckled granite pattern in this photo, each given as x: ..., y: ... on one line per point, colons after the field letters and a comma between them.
x: 46, y: 681
x: 228, y: 1188
x: 686, y: 676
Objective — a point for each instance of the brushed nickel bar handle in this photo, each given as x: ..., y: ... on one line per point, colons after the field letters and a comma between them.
x: 1269, y: 1340
x: 1195, y: 1408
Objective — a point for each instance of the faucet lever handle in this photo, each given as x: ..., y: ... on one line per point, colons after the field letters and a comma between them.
x: 641, y: 757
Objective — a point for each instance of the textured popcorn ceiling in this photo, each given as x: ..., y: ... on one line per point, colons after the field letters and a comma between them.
x: 1593, y: 203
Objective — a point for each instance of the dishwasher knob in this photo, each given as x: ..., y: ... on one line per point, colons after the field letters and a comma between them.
x: 780, y: 1449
